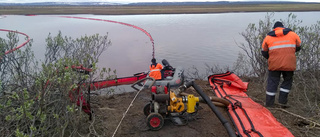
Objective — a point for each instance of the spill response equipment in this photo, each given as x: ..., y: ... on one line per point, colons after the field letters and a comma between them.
x: 250, y: 118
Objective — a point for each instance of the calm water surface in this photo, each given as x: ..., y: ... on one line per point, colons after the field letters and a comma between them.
x: 185, y: 40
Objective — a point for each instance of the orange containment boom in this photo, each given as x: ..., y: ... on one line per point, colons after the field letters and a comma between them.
x: 250, y: 118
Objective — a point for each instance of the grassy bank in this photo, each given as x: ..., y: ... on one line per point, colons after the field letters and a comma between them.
x: 119, y: 10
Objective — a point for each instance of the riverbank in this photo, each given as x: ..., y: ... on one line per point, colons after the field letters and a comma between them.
x: 110, y: 109
x: 133, y: 10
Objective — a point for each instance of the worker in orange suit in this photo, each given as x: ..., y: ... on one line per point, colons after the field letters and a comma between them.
x: 279, y: 47
x: 155, y: 69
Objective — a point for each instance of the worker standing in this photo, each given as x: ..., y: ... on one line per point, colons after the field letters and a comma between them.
x: 279, y: 47
x: 155, y: 69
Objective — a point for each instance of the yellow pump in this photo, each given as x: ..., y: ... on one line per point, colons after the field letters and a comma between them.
x: 192, y: 101
x: 176, y: 104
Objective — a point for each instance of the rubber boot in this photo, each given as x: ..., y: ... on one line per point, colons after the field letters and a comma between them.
x: 283, y: 98
x: 270, y: 100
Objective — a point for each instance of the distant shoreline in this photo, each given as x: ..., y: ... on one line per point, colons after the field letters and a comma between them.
x: 136, y: 10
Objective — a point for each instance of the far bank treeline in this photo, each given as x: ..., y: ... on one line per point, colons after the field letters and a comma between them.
x: 157, y: 9
x: 35, y: 94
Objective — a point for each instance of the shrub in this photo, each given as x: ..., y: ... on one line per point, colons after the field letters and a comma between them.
x: 35, y: 99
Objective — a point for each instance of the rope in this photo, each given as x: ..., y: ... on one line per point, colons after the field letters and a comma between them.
x: 125, y: 113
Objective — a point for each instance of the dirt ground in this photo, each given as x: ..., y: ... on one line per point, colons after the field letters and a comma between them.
x: 110, y: 110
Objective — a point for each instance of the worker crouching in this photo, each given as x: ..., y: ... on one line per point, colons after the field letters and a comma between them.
x: 155, y: 70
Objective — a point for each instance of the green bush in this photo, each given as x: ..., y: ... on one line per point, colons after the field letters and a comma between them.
x: 35, y: 97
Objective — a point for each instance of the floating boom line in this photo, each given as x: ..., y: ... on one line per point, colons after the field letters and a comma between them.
x: 95, y: 19
x: 21, y: 45
x: 122, y: 23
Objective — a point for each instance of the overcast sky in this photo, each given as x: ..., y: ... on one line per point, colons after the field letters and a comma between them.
x: 28, y: 1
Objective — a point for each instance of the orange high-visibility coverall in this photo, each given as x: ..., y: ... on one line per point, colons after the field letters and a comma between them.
x: 281, y: 44
x: 155, y: 71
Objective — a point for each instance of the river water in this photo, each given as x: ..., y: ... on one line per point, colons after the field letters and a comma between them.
x: 185, y: 40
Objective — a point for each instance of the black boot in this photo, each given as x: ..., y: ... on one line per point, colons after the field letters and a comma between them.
x: 283, y: 97
x: 270, y: 100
